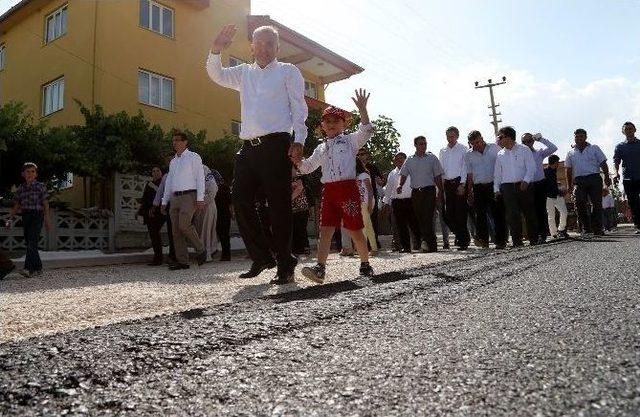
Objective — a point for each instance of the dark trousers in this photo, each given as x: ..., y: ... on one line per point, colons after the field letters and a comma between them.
x: 632, y: 190
x: 32, y: 225
x: 589, y: 188
x: 264, y: 168
x: 300, y: 239
x: 172, y: 248
x: 223, y: 223
x: 374, y: 220
x: 517, y: 204
x: 424, y: 205
x: 5, y: 263
x: 540, y: 207
x: 154, y: 226
x: 456, y: 212
x: 405, y: 219
x: 486, y: 204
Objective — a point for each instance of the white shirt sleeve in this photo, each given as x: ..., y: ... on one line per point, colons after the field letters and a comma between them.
x: 196, y: 166
x: 530, y: 165
x: 567, y: 160
x: 600, y: 155
x: 316, y: 159
x: 299, y: 111
x: 226, y: 77
x: 463, y: 173
x: 497, y: 176
x: 168, y: 185
x: 361, y: 136
x: 549, y: 149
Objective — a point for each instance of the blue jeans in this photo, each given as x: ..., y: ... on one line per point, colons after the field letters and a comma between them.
x: 32, y: 224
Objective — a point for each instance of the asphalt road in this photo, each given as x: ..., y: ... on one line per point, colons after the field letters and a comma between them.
x: 549, y: 330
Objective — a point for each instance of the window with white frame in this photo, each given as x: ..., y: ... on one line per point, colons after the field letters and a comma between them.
x: 156, y: 17
x: 310, y: 89
x: 2, y: 48
x: 155, y: 90
x: 235, y: 127
x: 56, y: 24
x: 234, y: 62
x: 53, y: 97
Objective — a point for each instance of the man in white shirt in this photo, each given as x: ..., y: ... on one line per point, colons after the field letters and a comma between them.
x: 514, y: 172
x: 272, y: 107
x: 539, y: 181
x: 184, y: 189
x: 401, y: 204
x: 583, y: 164
x: 455, y: 187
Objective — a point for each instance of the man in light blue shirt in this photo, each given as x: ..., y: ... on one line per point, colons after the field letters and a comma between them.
x: 481, y: 162
x: 539, y: 181
x: 583, y: 164
x: 628, y: 153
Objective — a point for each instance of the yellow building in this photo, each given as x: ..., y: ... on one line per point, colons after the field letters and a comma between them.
x: 142, y: 55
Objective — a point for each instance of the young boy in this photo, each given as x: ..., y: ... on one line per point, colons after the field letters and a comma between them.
x: 31, y: 200
x: 340, y: 194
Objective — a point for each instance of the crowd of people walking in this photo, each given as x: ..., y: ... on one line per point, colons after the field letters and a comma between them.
x: 482, y: 191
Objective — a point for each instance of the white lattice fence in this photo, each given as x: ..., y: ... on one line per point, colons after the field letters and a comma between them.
x: 69, y: 231
x: 128, y: 192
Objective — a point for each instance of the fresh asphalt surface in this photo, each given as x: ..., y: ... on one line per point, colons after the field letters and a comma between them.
x: 548, y: 330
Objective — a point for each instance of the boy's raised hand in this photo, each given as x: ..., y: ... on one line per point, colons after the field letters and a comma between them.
x: 224, y: 38
x: 361, y: 99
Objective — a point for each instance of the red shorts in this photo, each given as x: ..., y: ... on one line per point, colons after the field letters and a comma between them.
x: 340, y: 205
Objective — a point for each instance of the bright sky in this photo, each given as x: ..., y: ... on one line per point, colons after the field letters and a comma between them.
x: 569, y: 64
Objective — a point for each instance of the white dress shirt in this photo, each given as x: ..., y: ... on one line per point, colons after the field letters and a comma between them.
x: 337, y: 156
x: 514, y: 165
x: 391, y: 189
x: 185, y: 173
x: 271, y: 98
x: 452, y: 161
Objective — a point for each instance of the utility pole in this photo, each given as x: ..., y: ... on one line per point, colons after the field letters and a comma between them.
x: 493, y: 105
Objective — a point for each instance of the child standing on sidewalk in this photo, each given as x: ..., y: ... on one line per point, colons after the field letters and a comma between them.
x: 31, y: 200
x: 340, y: 195
x: 366, y: 203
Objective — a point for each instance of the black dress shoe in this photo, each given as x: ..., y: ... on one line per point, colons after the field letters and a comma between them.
x: 178, y: 266
x: 155, y: 263
x: 257, y: 268
x: 225, y: 258
x: 286, y: 273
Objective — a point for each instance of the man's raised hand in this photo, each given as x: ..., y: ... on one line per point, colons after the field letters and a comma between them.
x: 224, y: 38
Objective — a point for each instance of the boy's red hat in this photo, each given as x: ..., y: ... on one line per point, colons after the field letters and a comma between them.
x: 334, y: 111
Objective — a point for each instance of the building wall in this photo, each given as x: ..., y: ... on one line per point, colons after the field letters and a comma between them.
x: 101, y: 53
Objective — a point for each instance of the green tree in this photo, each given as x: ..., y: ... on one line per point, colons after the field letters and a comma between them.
x: 385, y: 142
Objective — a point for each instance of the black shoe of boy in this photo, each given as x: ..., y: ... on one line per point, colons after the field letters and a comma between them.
x: 366, y: 270
x: 178, y: 266
x: 315, y: 273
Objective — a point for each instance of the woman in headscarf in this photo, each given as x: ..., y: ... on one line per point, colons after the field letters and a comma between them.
x: 205, y: 221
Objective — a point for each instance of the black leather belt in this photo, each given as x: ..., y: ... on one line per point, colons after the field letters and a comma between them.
x: 428, y: 187
x: 184, y: 192
x: 260, y: 139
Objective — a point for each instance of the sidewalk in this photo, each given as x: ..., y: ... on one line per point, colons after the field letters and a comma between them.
x: 85, y: 258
